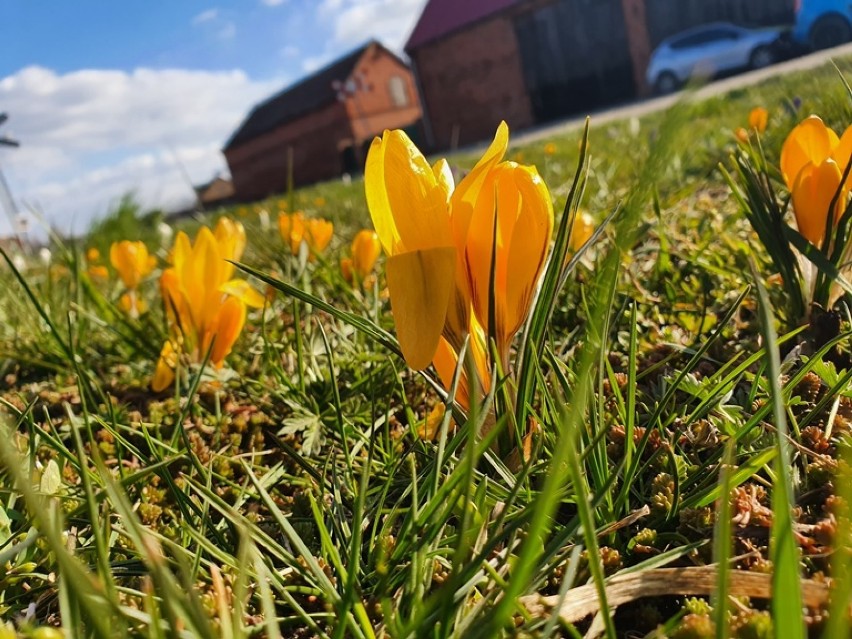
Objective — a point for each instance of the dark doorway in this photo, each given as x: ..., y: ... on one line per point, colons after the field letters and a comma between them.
x: 349, y: 161
x: 575, y: 56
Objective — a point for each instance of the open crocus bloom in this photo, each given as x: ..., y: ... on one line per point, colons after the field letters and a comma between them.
x: 442, y: 242
x: 206, y: 309
x: 813, y: 160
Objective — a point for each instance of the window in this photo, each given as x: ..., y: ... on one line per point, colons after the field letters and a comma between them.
x: 397, y: 90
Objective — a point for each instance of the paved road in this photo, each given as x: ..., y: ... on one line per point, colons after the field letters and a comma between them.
x: 643, y: 107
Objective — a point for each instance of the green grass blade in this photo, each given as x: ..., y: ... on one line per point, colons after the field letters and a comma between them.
x: 787, y: 607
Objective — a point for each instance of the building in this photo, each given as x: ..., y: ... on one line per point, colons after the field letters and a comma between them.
x: 215, y: 193
x: 320, y: 127
x: 529, y: 61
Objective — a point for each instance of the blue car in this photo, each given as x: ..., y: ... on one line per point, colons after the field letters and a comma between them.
x: 821, y: 24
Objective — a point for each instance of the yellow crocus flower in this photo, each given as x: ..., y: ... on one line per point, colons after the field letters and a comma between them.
x: 757, y: 119
x: 205, y: 308
x: 318, y: 234
x: 811, y: 141
x: 408, y: 202
x: 296, y: 228
x: 582, y: 230
x: 292, y: 229
x: 813, y: 160
x: 98, y: 272
x: 438, y: 272
x: 365, y: 250
x: 132, y: 261
x: 513, y: 218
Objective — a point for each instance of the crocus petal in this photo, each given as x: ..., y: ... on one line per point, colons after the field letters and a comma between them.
x: 445, y: 362
x: 231, y: 237
x: 243, y: 291
x: 182, y: 255
x: 843, y: 151
x: 377, y: 196
x: 444, y: 176
x: 812, y: 194
x: 164, y: 374
x: 420, y: 285
x: 467, y: 192
x: 809, y: 141
x: 229, y: 324
x: 406, y: 202
x: 527, y: 251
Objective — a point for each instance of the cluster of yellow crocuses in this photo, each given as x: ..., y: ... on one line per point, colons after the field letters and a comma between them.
x: 813, y: 160
x: 205, y: 306
x: 459, y: 257
x: 296, y: 229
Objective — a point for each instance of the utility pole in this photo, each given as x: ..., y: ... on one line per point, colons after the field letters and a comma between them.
x: 5, y: 194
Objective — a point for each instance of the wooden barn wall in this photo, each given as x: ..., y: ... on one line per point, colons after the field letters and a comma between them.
x: 574, y: 55
x: 667, y: 17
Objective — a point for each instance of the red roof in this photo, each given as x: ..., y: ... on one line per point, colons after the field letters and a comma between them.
x: 441, y: 17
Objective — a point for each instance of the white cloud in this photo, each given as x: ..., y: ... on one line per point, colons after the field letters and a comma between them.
x: 314, y: 62
x: 272, y: 3
x: 87, y: 137
x: 228, y: 31
x: 389, y: 21
x: 206, y: 16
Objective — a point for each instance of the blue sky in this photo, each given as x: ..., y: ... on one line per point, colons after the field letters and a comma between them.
x: 108, y: 96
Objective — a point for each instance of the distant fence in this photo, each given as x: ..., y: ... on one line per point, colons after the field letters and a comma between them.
x: 667, y: 17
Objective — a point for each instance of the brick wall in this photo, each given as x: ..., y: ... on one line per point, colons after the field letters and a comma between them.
x: 259, y: 167
x: 374, y: 110
x: 470, y: 80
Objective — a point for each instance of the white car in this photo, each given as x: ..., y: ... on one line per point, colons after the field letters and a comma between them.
x: 708, y: 51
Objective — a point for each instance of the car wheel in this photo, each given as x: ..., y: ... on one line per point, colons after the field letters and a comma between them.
x: 761, y: 57
x: 830, y: 31
x: 666, y: 83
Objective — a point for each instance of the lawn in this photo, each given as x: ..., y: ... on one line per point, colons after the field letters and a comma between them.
x: 649, y: 441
